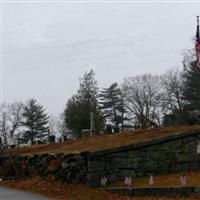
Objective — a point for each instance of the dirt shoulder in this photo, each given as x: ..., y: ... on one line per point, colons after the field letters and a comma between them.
x: 62, y: 191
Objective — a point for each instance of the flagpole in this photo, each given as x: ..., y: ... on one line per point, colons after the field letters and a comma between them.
x: 197, y: 43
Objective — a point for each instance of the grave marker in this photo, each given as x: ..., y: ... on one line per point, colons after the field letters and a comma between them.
x: 52, y: 139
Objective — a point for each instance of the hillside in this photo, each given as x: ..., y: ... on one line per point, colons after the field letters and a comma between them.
x: 103, y: 142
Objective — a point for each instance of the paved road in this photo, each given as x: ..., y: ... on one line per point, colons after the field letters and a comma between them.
x: 12, y: 194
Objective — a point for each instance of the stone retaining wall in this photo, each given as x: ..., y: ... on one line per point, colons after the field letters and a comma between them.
x: 156, y: 191
x: 66, y: 167
x: 160, y: 156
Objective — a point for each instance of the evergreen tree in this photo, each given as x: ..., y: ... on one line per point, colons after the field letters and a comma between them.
x: 79, y: 107
x: 192, y: 86
x: 112, y: 104
x: 35, y: 120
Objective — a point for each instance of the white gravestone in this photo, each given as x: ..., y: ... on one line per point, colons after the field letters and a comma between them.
x: 104, y: 181
x: 183, y: 180
x: 151, y: 180
x: 128, y: 181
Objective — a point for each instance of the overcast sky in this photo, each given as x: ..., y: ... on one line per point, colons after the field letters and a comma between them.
x: 48, y: 46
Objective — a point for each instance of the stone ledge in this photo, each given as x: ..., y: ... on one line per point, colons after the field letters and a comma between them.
x: 155, y: 191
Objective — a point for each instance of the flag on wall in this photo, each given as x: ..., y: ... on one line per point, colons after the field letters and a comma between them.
x: 197, y: 43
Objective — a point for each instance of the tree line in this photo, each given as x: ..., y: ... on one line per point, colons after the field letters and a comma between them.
x: 141, y: 101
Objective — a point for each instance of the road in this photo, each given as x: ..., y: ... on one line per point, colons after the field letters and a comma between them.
x: 12, y: 194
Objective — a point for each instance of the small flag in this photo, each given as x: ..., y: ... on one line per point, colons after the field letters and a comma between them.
x: 197, y: 43
x: 151, y: 180
x: 183, y: 179
x: 128, y: 181
x: 104, y: 181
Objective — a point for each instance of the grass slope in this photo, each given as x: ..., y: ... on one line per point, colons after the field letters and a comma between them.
x: 103, y: 142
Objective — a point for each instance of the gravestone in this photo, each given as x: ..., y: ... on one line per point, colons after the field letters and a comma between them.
x: 52, y: 139
x: 40, y: 142
x: 85, y: 133
x: 12, y: 146
x: 191, y: 121
x: 116, y: 129
x: 64, y: 138
x: 109, y: 129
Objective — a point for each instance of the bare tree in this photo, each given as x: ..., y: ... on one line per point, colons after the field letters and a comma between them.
x: 10, y: 121
x: 61, y: 125
x: 172, y: 82
x: 142, y: 96
x: 4, y: 127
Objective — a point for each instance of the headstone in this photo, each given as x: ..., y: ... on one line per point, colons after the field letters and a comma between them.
x: 12, y: 146
x: 40, y: 142
x: 183, y: 179
x: 109, y: 129
x: 104, y: 181
x: 64, y: 138
x: 191, y: 121
x: 128, y: 181
x: 85, y: 133
x: 116, y: 129
x: 52, y: 139
x: 151, y: 180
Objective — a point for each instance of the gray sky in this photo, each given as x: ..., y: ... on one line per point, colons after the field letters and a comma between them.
x: 48, y: 46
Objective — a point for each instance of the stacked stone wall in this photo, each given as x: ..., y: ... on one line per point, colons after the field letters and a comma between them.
x: 159, y: 156
x: 65, y: 167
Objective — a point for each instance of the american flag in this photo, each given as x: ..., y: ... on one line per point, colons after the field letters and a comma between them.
x: 197, y: 43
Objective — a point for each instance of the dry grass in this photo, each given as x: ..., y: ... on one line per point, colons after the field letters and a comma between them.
x: 102, y: 142
x: 193, y: 179
x: 61, y: 191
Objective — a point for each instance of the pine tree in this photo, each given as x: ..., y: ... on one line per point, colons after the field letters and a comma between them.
x: 35, y: 120
x: 79, y: 107
x: 192, y: 87
x: 112, y: 104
